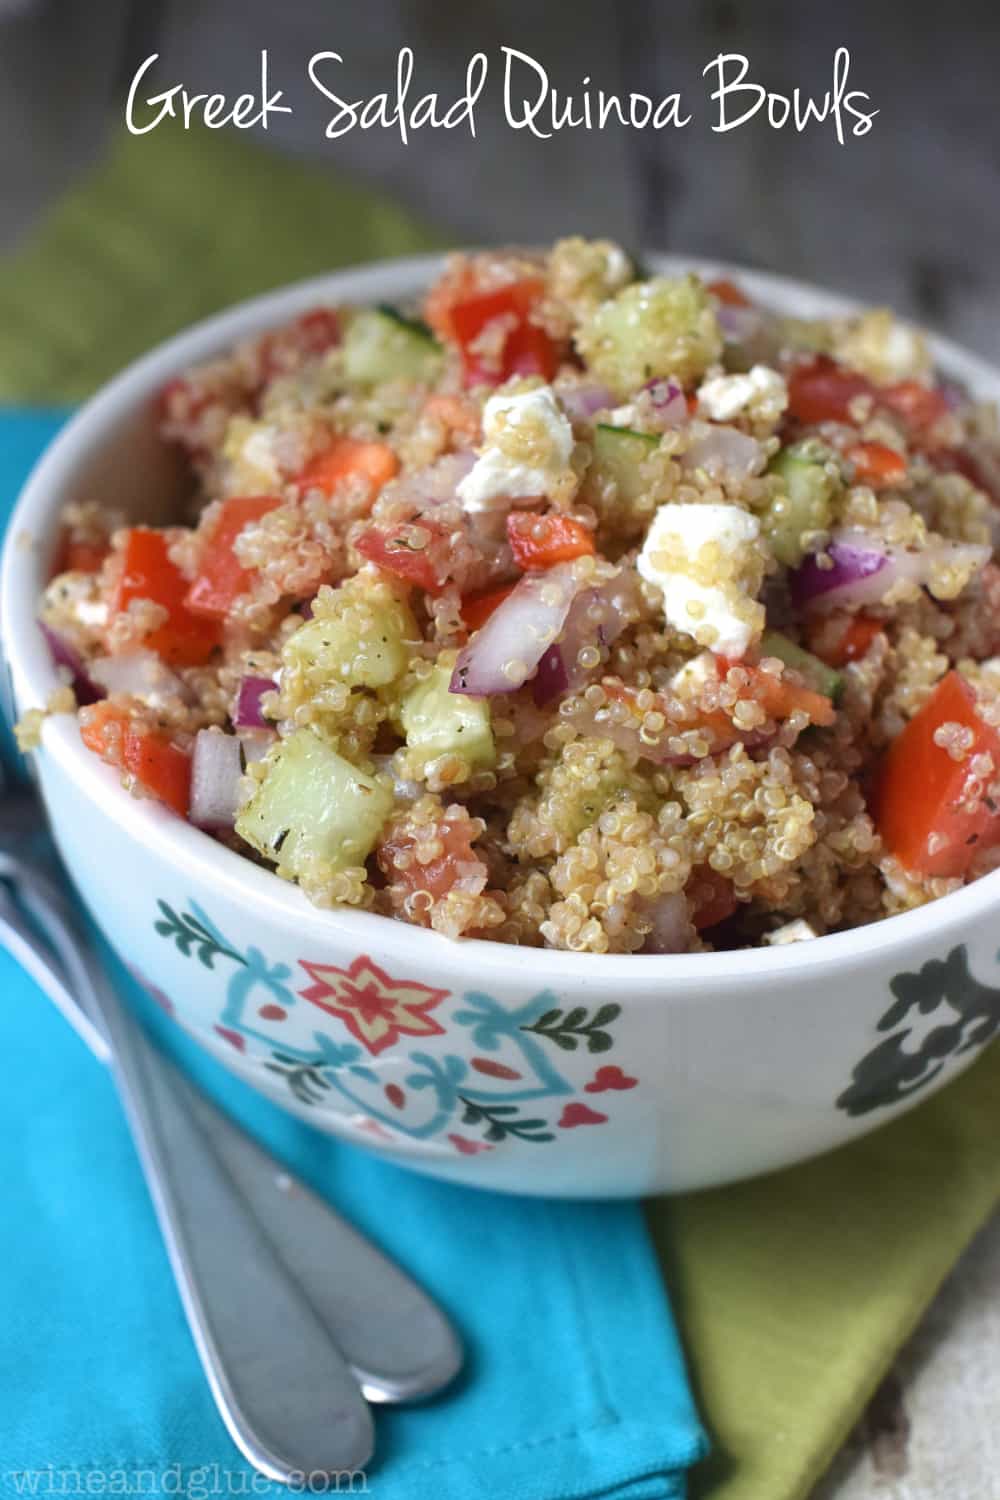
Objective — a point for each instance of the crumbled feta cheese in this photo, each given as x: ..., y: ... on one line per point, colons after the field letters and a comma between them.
x: 760, y: 394
x: 708, y: 562
x: 904, y: 351
x: 617, y: 266
x: 250, y: 448
x: 76, y: 598
x: 92, y: 612
x: 624, y: 416
x: 527, y: 444
x: 882, y: 347
x: 693, y: 675
x: 792, y: 932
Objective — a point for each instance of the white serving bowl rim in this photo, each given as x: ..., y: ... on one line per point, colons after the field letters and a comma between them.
x: 199, y: 859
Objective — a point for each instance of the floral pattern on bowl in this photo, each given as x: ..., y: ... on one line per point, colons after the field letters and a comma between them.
x: 324, y: 1041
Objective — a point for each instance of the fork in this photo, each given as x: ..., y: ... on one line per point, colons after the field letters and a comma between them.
x: 297, y: 1318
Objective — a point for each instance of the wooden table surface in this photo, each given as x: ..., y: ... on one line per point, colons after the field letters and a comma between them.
x: 909, y: 215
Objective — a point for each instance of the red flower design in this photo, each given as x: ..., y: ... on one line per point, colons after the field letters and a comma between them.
x: 376, y: 1009
x: 580, y: 1114
x: 609, y: 1078
x: 466, y: 1147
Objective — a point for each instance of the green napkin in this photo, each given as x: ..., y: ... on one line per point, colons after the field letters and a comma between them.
x: 793, y: 1292
x: 170, y: 228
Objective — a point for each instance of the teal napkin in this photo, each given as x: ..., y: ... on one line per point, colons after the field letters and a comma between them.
x: 575, y: 1384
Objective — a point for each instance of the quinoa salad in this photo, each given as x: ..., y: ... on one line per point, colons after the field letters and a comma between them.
x: 574, y: 607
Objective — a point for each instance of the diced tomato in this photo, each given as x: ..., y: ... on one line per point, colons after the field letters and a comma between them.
x: 457, y: 414
x: 160, y: 767
x: 470, y: 315
x: 406, y: 874
x: 877, y: 464
x: 222, y: 578
x: 728, y: 293
x: 920, y: 406
x: 921, y: 798
x: 526, y: 348
x: 405, y: 551
x: 782, y: 696
x: 840, y: 638
x: 529, y: 350
x: 180, y: 401
x: 823, y: 391
x: 711, y: 898
x: 317, y: 331
x: 717, y: 726
x: 347, y: 458
x: 541, y: 541
x: 184, y: 639
x: 75, y: 556
x: 458, y: 284
x: 779, y: 697
x: 477, y: 608
x: 102, y: 729
x: 307, y: 338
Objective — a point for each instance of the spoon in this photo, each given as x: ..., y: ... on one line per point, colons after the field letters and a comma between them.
x: 296, y: 1317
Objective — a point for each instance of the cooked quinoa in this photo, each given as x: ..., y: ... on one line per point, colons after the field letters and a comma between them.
x: 573, y: 608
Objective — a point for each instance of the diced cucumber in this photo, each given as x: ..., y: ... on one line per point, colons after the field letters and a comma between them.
x: 820, y: 677
x: 619, y: 453
x: 380, y: 344
x: 415, y: 326
x: 665, y: 326
x: 438, y: 722
x: 358, y: 635
x: 804, y: 503
x: 312, y: 803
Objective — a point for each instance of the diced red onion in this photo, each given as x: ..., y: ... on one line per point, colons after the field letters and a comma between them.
x: 506, y: 650
x: 852, y: 577
x: 529, y: 721
x: 725, y: 450
x: 864, y: 569
x: 596, y: 618
x: 256, y: 743
x: 139, y: 674
x: 434, y: 485
x: 669, y: 402
x: 599, y: 723
x: 248, y: 713
x: 216, y: 769
x: 552, y: 679
x: 671, y: 930
x: 65, y: 655
x: 581, y: 402
x: 954, y: 394
x: 739, y: 324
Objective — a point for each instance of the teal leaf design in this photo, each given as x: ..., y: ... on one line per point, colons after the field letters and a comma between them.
x: 192, y: 935
x: 304, y: 1079
x: 567, y: 1029
x: 502, y: 1120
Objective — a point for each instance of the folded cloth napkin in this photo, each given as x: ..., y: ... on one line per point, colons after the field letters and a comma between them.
x: 793, y: 1292
x: 575, y: 1384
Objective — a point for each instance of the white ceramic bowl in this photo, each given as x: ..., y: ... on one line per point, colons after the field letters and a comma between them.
x: 531, y: 1071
